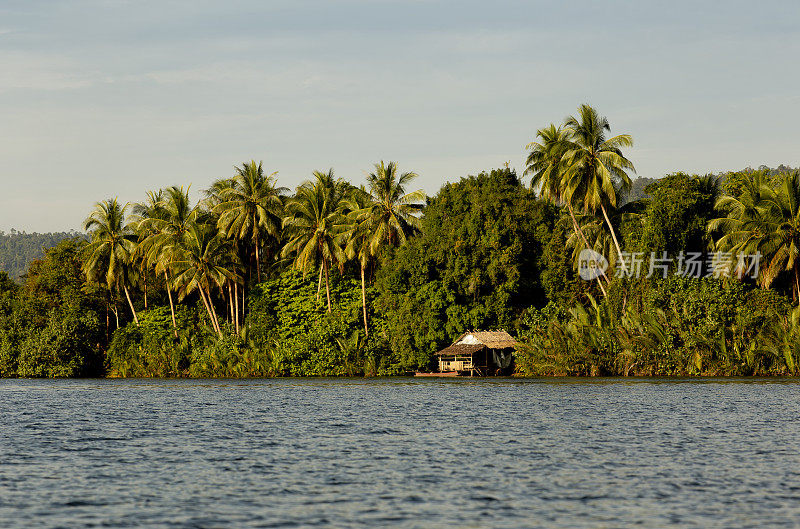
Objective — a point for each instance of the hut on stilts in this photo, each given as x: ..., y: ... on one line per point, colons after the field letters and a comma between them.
x: 481, y: 353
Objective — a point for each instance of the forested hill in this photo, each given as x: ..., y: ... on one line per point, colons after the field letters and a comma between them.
x: 638, y: 185
x: 18, y: 249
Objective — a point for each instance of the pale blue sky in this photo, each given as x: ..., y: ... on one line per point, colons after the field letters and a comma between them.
x: 103, y: 98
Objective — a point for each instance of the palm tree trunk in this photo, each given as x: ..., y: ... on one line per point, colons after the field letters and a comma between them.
x: 614, y: 237
x: 210, y: 310
x: 130, y: 303
x: 364, y: 301
x: 144, y: 279
x: 258, y: 255
x: 116, y: 315
x: 236, y: 304
x: 319, y: 283
x: 796, y: 282
x: 171, y: 305
x: 327, y: 285
x: 230, y: 301
x: 579, y: 231
x: 213, y: 310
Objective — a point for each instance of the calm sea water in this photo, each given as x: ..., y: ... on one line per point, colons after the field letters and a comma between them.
x: 400, y: 453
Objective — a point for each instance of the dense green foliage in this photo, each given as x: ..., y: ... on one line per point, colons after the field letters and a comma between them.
x: 474, y: 266
x: 338, y: 280
x: 50, y: 326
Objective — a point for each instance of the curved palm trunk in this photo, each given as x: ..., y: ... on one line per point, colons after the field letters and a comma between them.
x: 210, y: 310
x: 319, y: 283
x: 614, y: 237
x: 579, y: 231
x: 327, y: 286
x: 130, y: 304
x: 364, y: 300
x: 171, y: 304
x: 213, y: 310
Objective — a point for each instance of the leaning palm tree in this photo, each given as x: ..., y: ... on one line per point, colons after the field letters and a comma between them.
x: 394, y: 214
x: 202, y: 265
x: 545, y: 164
x: 251, y: 208
x: 166, y: 228
x: 314, y: 222
x: 595, y: 168
x: 108, y: 255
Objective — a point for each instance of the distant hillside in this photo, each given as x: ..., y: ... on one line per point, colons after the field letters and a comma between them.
x: 637, y: 189
x: 638, y: 185
x: 18, y: 249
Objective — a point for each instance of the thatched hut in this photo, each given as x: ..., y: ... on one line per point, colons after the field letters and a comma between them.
x: 478, y: 353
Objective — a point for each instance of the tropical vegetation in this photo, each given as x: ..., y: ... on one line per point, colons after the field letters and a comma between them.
x: 702, y: 276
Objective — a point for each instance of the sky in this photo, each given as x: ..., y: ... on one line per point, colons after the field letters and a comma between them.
x: 111, y: 98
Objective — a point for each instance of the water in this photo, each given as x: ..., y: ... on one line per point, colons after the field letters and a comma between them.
x: 400, y: 453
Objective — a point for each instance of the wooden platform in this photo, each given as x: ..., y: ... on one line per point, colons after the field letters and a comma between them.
x: 445, y: 374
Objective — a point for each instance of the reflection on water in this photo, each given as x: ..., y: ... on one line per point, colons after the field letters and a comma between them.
x: 400, y: 453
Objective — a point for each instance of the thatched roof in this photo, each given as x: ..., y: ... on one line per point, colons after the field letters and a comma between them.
x: 498, y: 339
x: 461, y: 349
x: 473, y: 341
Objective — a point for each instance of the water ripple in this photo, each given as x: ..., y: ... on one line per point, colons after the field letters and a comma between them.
x: 404, y: 453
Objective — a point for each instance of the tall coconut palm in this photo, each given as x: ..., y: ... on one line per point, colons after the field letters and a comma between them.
x: 544, y: 162
x: 251, y: 208
x: 166, y: 227
x: 203, y: 264
x: 214, y: 196
x: 358, y: 239
x: 546, y: 165
x: 314, y: 222
x: 108, y: 255
x: 595, y: 168
x: 394, y: 214
x: 150, y: 208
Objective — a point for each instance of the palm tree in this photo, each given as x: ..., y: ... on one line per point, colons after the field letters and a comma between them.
x: 546, y: 165
x: 394, y: 214
x: 166, y: 227
x: 383, y: 217
x: 782, y: 242
x: 107, y: 257
x: 595, y: 168
x: 202, y: 264
x: 314, y: 222
x: 150, y: 208
x: 358, y: 240
x: 250, y: 209
x: 544, y: 162
x: 764, y: 219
